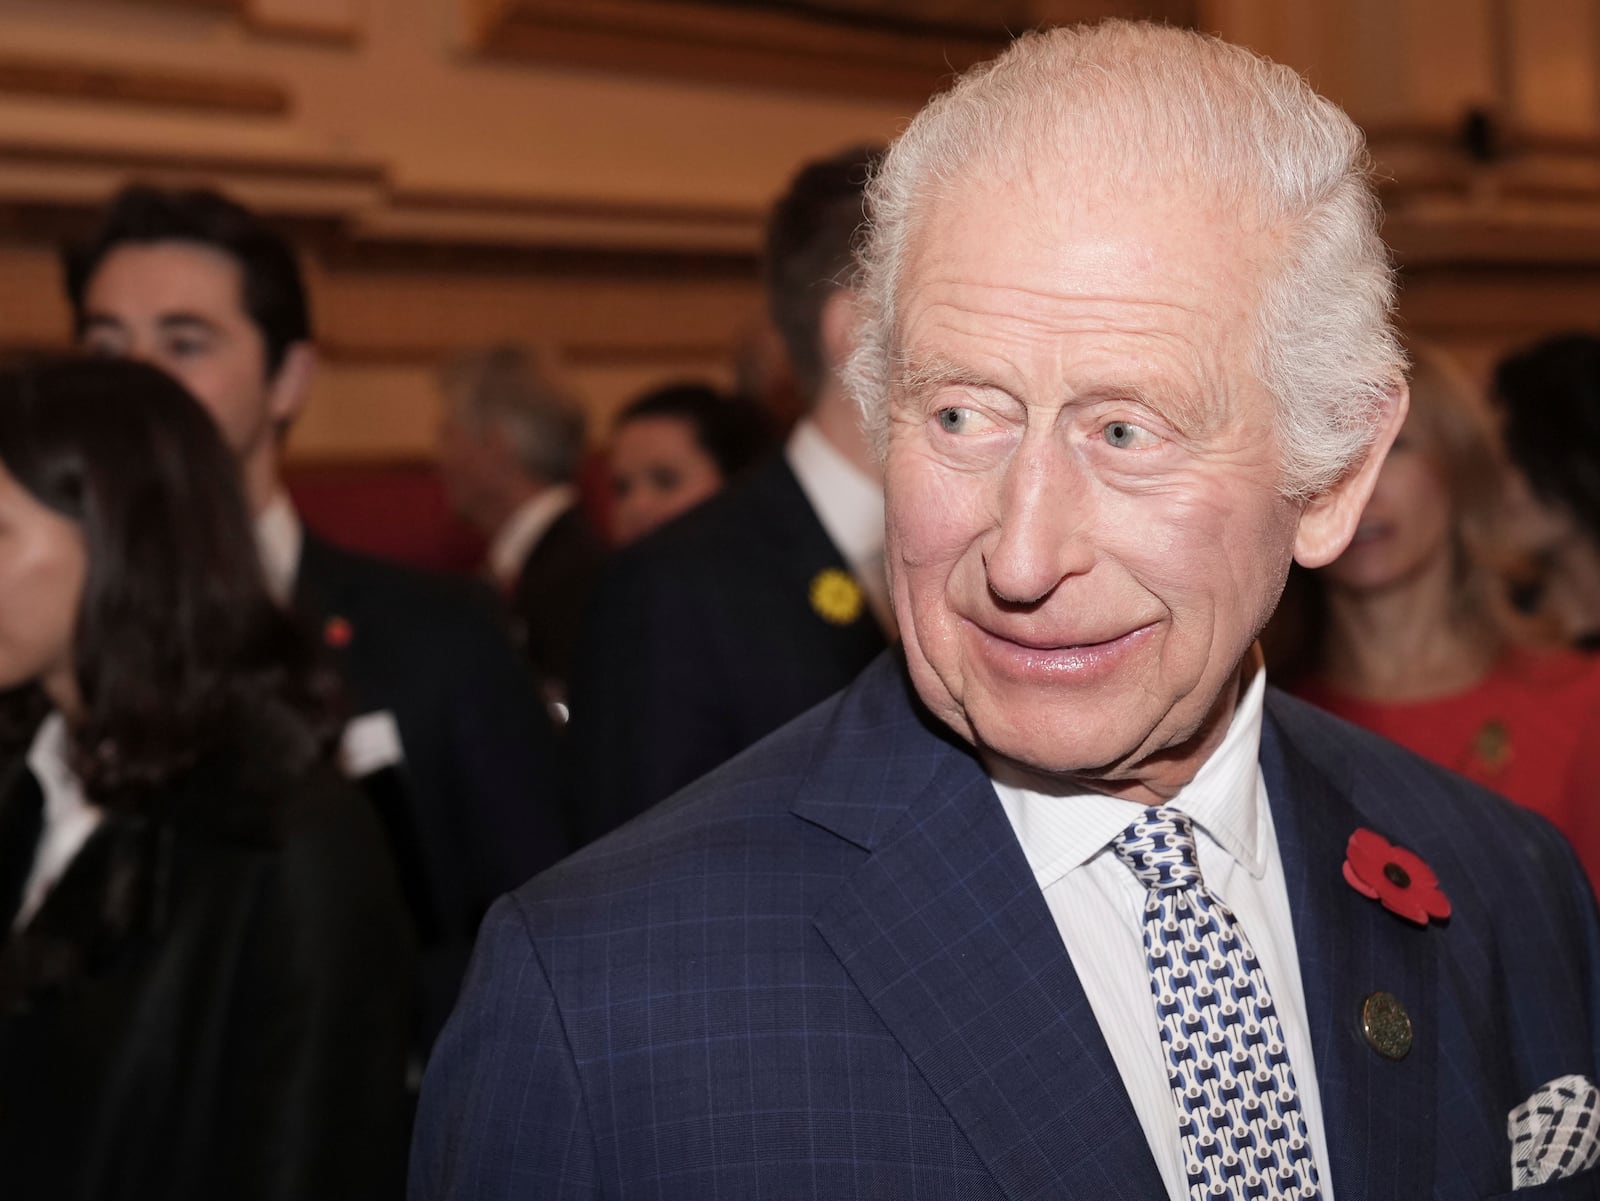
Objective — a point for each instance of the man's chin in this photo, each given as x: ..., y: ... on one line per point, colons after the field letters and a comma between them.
x: 1069, y: 758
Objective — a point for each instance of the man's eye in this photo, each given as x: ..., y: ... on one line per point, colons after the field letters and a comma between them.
x: 955, y: 420
x: 1125, y: 434
x: 182, y: 348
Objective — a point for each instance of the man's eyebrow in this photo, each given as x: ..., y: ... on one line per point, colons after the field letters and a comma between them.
x: 186, y: 321
x: 179, y: 321
x: 926, y: 373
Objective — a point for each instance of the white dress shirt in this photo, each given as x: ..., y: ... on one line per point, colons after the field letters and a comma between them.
x: 278, y: 539
x: 69, y: 818
x: 849, y: 503
x: 1098, y: 905
x: 514, y: 541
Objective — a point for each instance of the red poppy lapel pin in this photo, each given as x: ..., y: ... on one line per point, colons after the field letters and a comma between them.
x: 337, y: 632
x: 1399, y: 878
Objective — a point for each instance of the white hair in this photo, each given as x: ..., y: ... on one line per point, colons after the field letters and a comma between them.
x: 1138, y: 101
x: 519, y: 390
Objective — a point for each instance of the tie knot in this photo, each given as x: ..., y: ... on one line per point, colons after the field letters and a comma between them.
x: 1159, y: 847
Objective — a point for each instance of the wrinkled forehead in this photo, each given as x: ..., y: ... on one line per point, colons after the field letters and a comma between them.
x: 169, y: 273
x: 1034, y: 244
x: 1072, y: 188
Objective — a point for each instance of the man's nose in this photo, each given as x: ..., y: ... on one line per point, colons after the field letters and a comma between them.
x: 141, y: 350
x: 1046, y: 511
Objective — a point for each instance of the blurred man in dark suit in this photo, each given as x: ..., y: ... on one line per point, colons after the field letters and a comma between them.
x: 510, y: 449
x: 721, y: 626
x: 447, y: 733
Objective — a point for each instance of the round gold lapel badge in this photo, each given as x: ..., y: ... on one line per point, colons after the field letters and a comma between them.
x: 1386, y: 1025
x: 836, y: 597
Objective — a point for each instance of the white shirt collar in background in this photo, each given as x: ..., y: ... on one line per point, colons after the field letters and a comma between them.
x: 847, y: 500
x: 278, y: 539
x: 514, y: 541
x: 849, y: 504
x: 69, y: 818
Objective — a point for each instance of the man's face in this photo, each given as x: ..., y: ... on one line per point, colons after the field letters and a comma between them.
x: 1085, y: 527
x: 475, y: 465
x: 180, y: 306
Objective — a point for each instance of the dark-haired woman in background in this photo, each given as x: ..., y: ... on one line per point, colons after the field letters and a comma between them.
x: 1411, y: 632
x: 205, y: 973
x: 1549, y: 401
x: 675, y: 447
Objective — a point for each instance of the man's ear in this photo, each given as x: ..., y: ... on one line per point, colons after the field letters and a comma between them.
x: 288, y: 388
x: 1329, y: 520
x: 838, y: 328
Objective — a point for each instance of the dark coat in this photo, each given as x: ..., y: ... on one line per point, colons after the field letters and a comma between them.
x: 704, y: 639
x: 211, y: 1002
x: 551, y: 595
x: 827, y: 971
x: 475, y: 808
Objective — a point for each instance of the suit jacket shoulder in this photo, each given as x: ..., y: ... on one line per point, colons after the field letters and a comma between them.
x: 480, y: 776
x: 552, y: 593
x: 1503, y: 997
x: 827, y: 969
x: 706, y: 636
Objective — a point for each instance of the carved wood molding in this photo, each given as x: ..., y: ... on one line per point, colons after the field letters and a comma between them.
x: 362, y: 211
x: 731, y: 44
x: 63, y: 79
x: 217, y: 5
x: 335, y: 21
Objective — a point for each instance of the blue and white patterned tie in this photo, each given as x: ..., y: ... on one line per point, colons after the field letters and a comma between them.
x: 1239, y: 1117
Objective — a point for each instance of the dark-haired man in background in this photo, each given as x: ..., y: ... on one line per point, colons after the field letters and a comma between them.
x: 447, y: 732
x: 723, y: 625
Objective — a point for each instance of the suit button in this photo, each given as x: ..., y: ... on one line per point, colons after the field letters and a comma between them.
x: 1386, y: 1025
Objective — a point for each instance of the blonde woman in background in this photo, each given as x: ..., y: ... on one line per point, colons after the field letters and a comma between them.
x: 1411, y: 632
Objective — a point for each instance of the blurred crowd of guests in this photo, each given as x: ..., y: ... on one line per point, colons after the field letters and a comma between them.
x: 256, y: 790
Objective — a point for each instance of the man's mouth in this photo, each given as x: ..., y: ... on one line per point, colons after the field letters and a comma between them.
x: 1078, y: 654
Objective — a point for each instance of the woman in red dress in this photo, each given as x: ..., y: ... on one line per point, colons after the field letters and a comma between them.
x: 1411, y: 632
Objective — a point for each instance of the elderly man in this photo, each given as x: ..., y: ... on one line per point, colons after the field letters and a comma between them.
x: 1068, y: 904
x: 510, y: 450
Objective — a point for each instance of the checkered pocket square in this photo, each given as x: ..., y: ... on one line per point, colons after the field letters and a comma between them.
x: 1555, y: 1133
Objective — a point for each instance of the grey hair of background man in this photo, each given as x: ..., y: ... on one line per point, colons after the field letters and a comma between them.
x: 515, y: 390
x: 1138, y: 102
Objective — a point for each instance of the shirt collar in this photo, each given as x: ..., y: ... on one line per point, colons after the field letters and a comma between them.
x: 278, y: 539
x: 847, y: 500
x: 1060, y: 832
x: 520, y: 533
x: 47, y: 759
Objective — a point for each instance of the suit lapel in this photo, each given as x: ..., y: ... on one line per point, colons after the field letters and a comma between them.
x: 318, y: 601
x: 946, y: 934
x: 801, y: 550
x: 1378, y: 1113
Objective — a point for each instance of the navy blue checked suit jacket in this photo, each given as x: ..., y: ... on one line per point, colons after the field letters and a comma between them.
x: 825, y: 971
